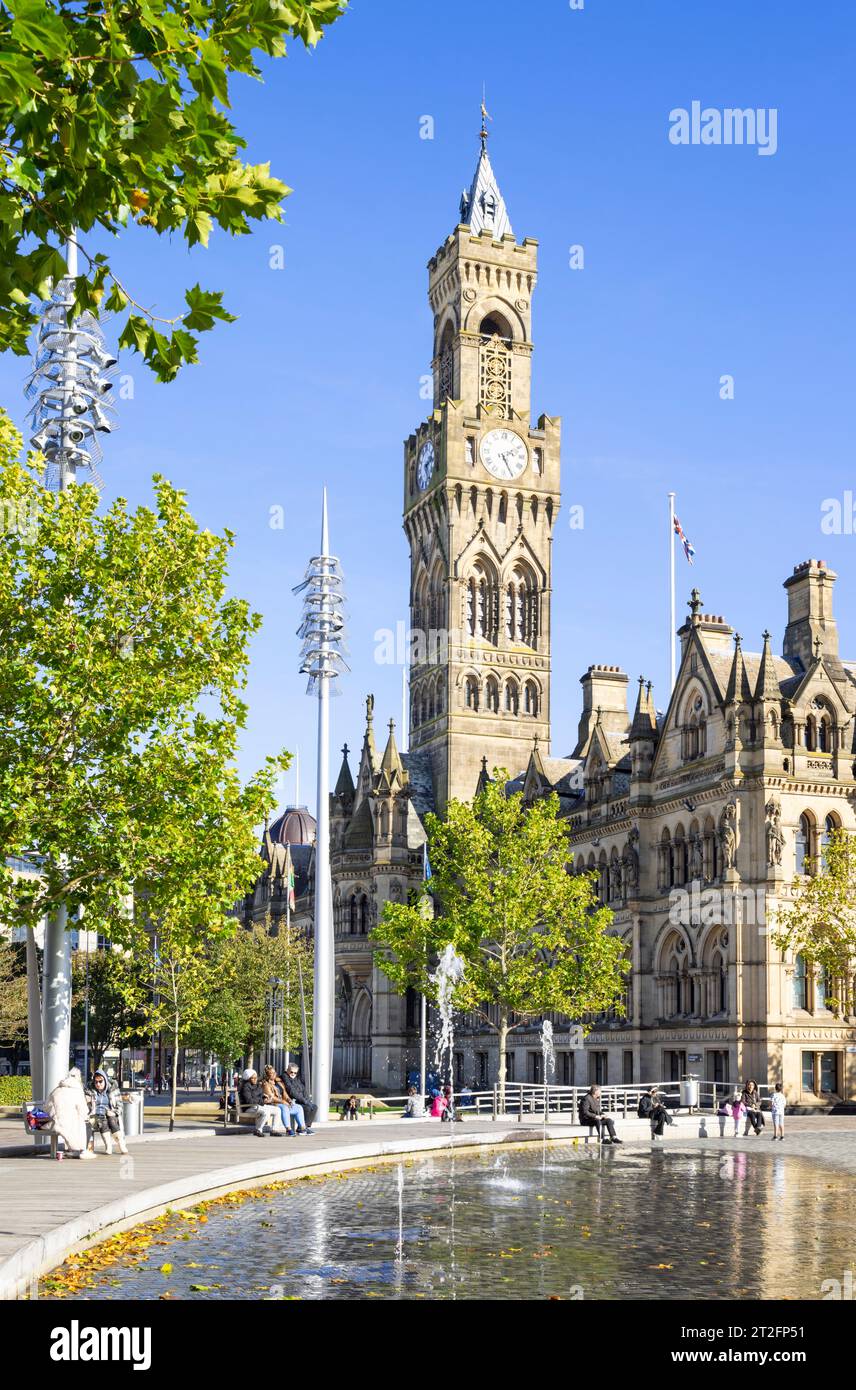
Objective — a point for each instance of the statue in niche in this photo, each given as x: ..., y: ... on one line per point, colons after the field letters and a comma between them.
x: 728, y: 835
x: 775, y: 838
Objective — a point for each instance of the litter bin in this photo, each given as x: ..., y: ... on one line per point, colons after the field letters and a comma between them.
x: 689, y: 1092
x: 132, y: 1112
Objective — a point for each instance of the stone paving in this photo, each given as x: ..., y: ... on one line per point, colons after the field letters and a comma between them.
x: 48, y: 1208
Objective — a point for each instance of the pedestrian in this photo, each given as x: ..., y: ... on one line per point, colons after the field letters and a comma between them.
x: 414, y: 1106
x: 438, y: 1105
x: 205, y: 1079
x: 778, y: 1108
x: 212, y: 1083
x: 752, y: 1107
x: 736, y: 1110
x: 652, y: 1107
x: 252, y: 1099
x: 350, y: 1109
x: 69, y: 1111
x: 105, y: 1112
x: 591, y: 1114
x: 449, y: 1113
x: 297, y: 1091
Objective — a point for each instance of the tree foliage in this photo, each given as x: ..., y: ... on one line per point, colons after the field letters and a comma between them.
x: 115, y: 114
x: 242, y: 967
x: 102, y: 978
x: 531, y: 936
x: 819, y: 923
x: 13, y: 993
x: 121, y: 671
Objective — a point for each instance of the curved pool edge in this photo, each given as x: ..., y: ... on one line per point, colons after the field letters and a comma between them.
x: 20, y: 1273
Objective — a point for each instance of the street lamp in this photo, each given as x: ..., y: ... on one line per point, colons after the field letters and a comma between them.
x: 322, y: 659
x: 68, y: 386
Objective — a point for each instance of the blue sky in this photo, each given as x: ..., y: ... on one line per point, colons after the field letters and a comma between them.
x: 699, y: 262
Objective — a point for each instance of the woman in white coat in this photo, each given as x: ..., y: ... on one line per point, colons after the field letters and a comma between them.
x: 68, y: 1108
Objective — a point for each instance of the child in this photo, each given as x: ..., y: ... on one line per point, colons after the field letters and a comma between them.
x: 738, y: 1110
x: 778, y: 1108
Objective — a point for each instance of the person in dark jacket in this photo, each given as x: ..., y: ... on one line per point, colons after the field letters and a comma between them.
x: 592, y: 1115
x: 752, y: 1104
x: 297, y: 1091
x: 652, y: 1107
x: 251, y: 1096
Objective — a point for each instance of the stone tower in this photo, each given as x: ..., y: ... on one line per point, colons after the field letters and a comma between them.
x: 481, y: 493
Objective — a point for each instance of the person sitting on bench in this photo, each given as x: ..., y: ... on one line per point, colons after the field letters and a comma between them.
x: 592, y: 1115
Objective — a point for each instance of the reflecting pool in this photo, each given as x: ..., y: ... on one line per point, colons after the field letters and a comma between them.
x: 563, y: 1223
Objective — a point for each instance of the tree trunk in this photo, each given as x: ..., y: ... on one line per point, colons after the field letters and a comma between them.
x: 503, y: 1040
x: 174, y: 1078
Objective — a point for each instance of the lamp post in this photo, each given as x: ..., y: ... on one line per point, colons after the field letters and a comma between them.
x: 68, y: 384
x: 322, y: 659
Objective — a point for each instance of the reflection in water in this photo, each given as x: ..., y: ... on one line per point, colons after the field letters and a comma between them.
x: 669, y: 1224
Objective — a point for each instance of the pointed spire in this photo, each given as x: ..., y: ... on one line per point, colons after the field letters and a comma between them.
x: 391, y: 764
x: 484, y: 780
x: 738, y: 690
x: 325, y: 535
x: 767, y: 687
x: 483, y: 206
x: 369, y: 753
x: 345, y: 782
x: 644, y: 717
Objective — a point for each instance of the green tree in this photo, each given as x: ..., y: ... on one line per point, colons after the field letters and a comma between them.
x: 530, y: 934
x: 13, y: 993
x: 244, y: 965
x: 121, y: 673
x: 101, y: 978
x: 819, y: 923
x: 221, y: 1030
x: 169, y: 985
x: 115, y: 114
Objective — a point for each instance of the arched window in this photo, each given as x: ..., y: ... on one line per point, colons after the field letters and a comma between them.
x: 439, y: 696
x: 492, y: 694
x: 364, y: 915
x: 802, y: 846
x: 530, y: 698
x: 481, y: 613
x: 811, y: 733
x: 521, y: 607
x: 512, y: 697
x: 830, y: 825
x: 800, y: 983
x: 353, y: 909
x: 823, y: 736
x: 495, y: 324
x: 471, y: 693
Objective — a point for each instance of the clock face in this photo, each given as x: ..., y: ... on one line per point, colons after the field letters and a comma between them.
x: 503, y: 454
x: 425, y: 467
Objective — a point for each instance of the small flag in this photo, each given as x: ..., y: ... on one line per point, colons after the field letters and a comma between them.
x: 689, y: 549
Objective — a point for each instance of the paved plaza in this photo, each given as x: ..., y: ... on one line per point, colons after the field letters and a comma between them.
x: 49, y: 1208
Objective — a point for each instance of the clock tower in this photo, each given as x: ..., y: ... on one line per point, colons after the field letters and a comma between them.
x: 481, y: 493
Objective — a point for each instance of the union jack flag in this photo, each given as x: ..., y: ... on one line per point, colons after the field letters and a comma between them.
x: 689, y: 549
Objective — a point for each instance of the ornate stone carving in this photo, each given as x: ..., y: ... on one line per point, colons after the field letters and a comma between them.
x: 775, y: 838
x: 728, y: 835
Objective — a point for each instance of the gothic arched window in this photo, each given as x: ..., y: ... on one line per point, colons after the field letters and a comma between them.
x: 802, y: 845
x: 471, y: 693
x: 530, y: 699
x: 512, y: 697
x: 492, y: 694
x: 364, y: 915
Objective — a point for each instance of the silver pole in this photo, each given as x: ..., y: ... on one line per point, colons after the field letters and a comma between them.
x: 671, y: 592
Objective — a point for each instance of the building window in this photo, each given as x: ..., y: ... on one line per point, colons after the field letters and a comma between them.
x: 674, y: 1065
x: 627, y: 1068
x: 800, y: 983
x: 471, y: 693
x: 598, y: 1068
x: 566, y: 1068
x: 459, y: 1070
x: 808, y: 1071
x: 412, y: 1008
x: 536, y: 1067
x: 802, y: 845
x: 821, y: 988
x: 481, y: 1070
x: 820, y: 1073
x: 509, y: 1066
x: 828, y: 1073
x: 537, y: 462
x: 717, y: 1067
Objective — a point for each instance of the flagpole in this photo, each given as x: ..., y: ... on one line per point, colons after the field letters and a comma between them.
x: 671, y: 592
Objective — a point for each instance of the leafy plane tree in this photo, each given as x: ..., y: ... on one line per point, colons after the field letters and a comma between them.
x: 116, y: 114
x: 531, y: 935
x: 121, y: 671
